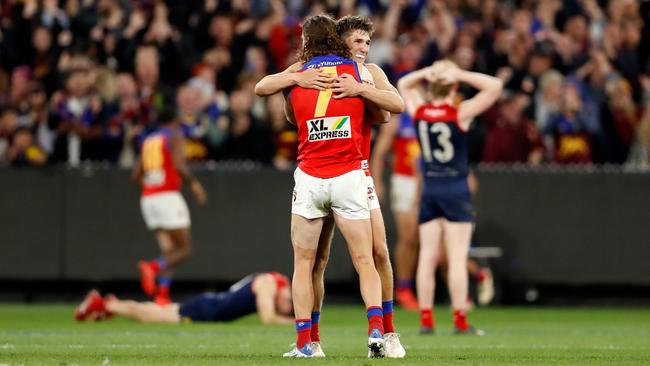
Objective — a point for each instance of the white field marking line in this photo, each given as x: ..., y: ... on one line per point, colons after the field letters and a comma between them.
x: 534, y: 346
x: 7, y: 346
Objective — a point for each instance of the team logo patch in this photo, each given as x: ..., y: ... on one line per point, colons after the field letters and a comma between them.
x: 371, y: 193
x: 329, y: 128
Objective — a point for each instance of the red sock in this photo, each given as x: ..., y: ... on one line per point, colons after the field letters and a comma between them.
x: 303, y: 330
x: 389, y: 327
x: 155, y: 265
x: 315, y: 337
x: 480, y: 275
x: 460, y: 320
x: 426, y: 318
x: 163, y: 291
x: 375, y: 319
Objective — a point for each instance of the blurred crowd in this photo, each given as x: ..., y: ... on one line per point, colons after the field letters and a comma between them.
x: 82, y: 80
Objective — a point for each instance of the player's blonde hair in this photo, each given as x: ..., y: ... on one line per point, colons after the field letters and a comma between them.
x: 439, y: 87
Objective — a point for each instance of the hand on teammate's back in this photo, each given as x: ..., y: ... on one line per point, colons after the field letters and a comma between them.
x: 314, y: 79
x: 346, y: 86
x: 199, y: 192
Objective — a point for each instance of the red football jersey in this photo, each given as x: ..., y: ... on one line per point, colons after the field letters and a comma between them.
x: 329, y: 130
x: 406, y: 149
x: 160, y: 174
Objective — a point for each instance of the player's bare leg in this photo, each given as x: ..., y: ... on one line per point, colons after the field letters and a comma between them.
x: 176, y: 247
x: 430, y: 237
x: 181, y: 248
x: 457, y: 236
x: 146, y: 312
x: 381, y: 257
x: 304, y: 237
x: 406, y: 257
x: 318, y: 275
x: 358, y: 235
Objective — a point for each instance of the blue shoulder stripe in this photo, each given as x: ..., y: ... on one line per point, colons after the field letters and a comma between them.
x: 327, y: 60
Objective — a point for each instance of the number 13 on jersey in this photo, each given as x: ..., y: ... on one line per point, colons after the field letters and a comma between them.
x: 444, y: 151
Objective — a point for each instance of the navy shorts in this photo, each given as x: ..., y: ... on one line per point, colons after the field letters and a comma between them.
x: 202, y: 308
x: 448, y: 198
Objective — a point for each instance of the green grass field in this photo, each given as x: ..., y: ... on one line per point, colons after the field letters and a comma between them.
x: 47, y: 335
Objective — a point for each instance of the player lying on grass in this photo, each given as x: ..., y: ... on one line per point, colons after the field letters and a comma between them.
x: 268, y: 294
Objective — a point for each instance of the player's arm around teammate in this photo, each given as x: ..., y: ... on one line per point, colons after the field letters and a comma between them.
x: 310, y: 78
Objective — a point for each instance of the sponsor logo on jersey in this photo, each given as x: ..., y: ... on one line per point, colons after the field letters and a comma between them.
x: 329, y: 128
x: 434, y: 113
x: 320, y: 64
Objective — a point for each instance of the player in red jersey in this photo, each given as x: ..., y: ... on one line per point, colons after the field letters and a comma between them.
x: 159, y: 172
x: 356, y: 32
x: 330, y: 178
x: 445, y: 203
x: 268, y: 294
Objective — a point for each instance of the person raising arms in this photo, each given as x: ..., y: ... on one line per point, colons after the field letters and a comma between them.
x: 445, y: 202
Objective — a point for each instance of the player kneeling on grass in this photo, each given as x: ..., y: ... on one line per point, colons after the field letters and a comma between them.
x: 268, y: 294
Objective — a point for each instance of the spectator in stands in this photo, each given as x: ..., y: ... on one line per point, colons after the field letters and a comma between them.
x: 623, y: 114
x: 511, y: 137
x: 8, y: 123
x: 158, y: 41
x: 76, y: 119
x: 20, y: 79
x: 249, y: 139
x: 37, y: 117
x: 23, y: 150
x: 285, y: 135
x: 568, y: 129
x: 127, y: 121
x: 548, y: 97
x: 153, y: 94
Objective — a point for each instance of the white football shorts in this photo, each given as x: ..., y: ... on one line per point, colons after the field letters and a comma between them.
x: 403, y: 192
x: 165, y: 210
x: 346, y: 195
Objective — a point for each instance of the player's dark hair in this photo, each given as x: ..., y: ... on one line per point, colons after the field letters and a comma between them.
x: 350, y: 23
x: 166, y: 116
x: 321, y: 38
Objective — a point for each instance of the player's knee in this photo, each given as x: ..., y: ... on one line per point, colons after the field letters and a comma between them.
x: 320, y: 265
x: 302, y: 255
x: 360, y: 260
x: 381, y: 256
